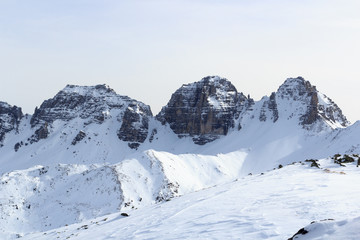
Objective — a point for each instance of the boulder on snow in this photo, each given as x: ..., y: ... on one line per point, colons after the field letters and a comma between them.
x: 313, y: 163
x: 80, y: 136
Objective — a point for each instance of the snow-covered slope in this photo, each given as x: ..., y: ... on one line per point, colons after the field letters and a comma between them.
x: 89, y: 151
x: 272, y: 205
x: 47, y: 197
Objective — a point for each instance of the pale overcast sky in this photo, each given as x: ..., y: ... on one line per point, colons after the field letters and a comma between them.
x: 147, y: 49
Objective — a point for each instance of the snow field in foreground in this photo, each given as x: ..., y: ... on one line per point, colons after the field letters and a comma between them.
x: 273, y: 205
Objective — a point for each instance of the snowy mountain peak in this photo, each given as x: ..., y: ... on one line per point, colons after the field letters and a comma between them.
x: 297, y: 97
x: 213, y: 86
x: 204, y: 110
x: 294, y: 88
x: 97, y: 90
x: 92, y: 104
x: 216, y: 81
x: 86, y: 102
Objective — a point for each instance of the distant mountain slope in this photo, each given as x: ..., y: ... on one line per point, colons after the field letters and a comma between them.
x: 108, y: 146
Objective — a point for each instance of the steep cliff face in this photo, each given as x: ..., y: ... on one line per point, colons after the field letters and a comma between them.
x: 204, y: 110
x: 302, y: 100
x: 10, y: 117
x: 94, y: 104
x: 135, y: 124
x: 269, y: 109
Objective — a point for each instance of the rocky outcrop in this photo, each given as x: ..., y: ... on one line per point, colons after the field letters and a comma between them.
x: 204, y: 110
x: 269, y: 106
x: 135, y: 125
x: 80, y: 136
x: 42, y: 132
x: 10, y: 117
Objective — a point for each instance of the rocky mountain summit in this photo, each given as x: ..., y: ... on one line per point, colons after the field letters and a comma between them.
x: 10, y: 117
x: 94, y: 104
x: 208, y: 109
x: 310, y: 106
x: 204, y: 110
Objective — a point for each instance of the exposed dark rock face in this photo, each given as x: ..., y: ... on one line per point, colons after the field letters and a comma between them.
x: 302, y: 231
x: 314, y: 163
x: 10, y: 117
x: 313, y: 105
x: 42, y: 132
x: 80, y: 136
x: 311, y: 114
x: 135, y: 125
x: 307, y: 229
x: 152, y: 135
x: 204, y: 110
x: 91, y: 103
x: 342, y: 159
x: 94, y: 104
x: 269, y: 105
x: 17, y: 146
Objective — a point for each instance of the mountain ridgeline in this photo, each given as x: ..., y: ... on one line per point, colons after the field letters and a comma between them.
x: 204, y: 111
x: 88, y: 151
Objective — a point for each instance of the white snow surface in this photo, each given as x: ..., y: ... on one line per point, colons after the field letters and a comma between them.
x: 272, y: 205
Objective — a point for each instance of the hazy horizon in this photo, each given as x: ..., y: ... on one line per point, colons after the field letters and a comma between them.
x: 148, y: 49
